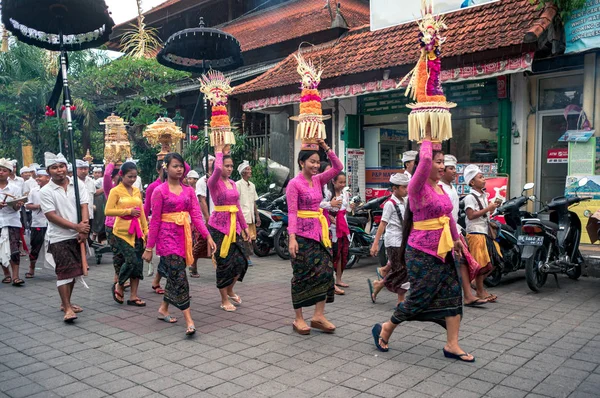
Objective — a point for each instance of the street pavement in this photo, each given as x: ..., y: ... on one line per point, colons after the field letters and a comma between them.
x: 526, y: 344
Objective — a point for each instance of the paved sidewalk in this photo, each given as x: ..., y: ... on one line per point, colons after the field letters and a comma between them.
x: 527, y: 344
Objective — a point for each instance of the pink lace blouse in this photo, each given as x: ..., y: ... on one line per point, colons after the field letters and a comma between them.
x: 223, y: 196
x: 149, y: 192
x: 426, y: 204
x: 169, y: 237
x: 301, y: 196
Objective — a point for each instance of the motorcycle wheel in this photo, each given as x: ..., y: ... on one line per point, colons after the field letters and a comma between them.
x: 575, y: 272
x: 536, y: 278
x: 494, y: 278
x: 281, y: 243
x: 352, y: 258
x: 261, y: 248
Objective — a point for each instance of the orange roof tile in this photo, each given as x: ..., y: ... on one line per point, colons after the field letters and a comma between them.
x: 291, y: 20
x: 493, y: 26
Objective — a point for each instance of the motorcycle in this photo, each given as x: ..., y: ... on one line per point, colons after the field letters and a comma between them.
x: 552, y: 247
x: 278, y: 228
x: 263, y: 244
x: 366, y: 217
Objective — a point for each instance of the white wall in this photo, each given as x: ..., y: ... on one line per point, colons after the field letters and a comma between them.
x: 520, y: 95
x: 372, y: 136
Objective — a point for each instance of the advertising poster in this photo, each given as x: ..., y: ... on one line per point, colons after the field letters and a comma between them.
x: 582, y: 30
x: 489, y: 170
x: 584, y: 210
x: 582, y: 157
x: 386, y: 13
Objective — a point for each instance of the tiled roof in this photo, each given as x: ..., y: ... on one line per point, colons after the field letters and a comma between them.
x: 493, y: 26
x: 291, y: 20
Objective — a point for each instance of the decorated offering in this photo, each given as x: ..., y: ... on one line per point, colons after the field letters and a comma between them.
x: 217, y: 87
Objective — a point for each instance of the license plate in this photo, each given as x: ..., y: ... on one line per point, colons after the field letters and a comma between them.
x: 526, y: 240
x: 276, y: 225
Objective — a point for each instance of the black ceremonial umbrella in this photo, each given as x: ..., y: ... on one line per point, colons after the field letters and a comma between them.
x: 197, y: 50
x: 60, y: 25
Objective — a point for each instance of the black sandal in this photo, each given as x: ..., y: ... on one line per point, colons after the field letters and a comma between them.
x: 18, y: 282
x: 137, y: 302
x: 7, y: 279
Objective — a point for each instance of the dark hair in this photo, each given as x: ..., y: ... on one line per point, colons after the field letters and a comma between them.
x: 304, y: 154
x: 323, y: 166
x: 330, y: 182
x: 127, y: 167
x: 167, y: 161
x: 114, y: 173
x: 225, y: 157
x: 158, y: 166
x: 407, y: 224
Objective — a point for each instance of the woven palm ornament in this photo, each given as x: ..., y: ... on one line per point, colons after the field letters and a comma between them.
x: 424, y: 82
x: 217, y: 88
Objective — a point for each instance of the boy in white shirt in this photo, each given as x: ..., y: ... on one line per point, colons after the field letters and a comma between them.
x: 39, y: 223
x: 395, y: 275
x: 10, y: 225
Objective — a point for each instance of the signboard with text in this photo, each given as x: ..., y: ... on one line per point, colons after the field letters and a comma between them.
x: 582, y: 30
x: 380, y: 176
x: 386, y: 13
x: 557, y: 155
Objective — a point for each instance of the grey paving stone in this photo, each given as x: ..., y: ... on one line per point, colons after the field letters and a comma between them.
x: 474, y: 385
x: 180, y: 391
x: 25, y: 390
x: 134, y: 392
x: 504, y: 391
x: 269, y: 389
x: 431, y: 388
x: 227, y: 389
x: 89, y: 393
x: 460, y: 393
x: 204, y: 382
x: 519, y: 382
x: 161, y: 383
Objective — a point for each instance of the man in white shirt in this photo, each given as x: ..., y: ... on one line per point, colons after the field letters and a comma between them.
x: 39, y: 223
x: 448, y: 178
x: 202, y: 189
x: 83, y: 173
x: 10, y: 225
x: 28, y: 181
x: 408, y: 159
x: 16, y: 180
x: 248, y: 198
x: 395, y: 276
x: 65, y: 232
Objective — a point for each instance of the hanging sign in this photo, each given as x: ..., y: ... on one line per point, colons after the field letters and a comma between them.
x: 502, y: 87
x: 557, y: 155
x: 582, y: 29
x: 378, y: 175
x: 355, y: 167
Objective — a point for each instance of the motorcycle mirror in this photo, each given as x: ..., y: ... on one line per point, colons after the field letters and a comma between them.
x: 528, y: 186
x: 272, y: 186
x: 582, y: 182
x: 532, y: 198
x: 263, y: 199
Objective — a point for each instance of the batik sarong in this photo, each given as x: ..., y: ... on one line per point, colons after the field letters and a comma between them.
x: 118, y: 258
x: 232, y: 266
x: 67, y: 257
x: 396, y: 280
x: 177, y: 288
x: 313, y: 280
x: 133, y: 264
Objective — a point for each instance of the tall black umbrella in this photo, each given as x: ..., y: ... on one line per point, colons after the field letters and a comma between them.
x: 60, y: 25
x: 197, y: 50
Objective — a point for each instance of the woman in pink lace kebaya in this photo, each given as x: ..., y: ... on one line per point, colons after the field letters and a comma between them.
x: 310, y: 246
x: 429, y: 239
x: 225, y: 226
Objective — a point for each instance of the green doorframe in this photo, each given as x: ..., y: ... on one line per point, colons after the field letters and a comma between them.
x: 504, y: 135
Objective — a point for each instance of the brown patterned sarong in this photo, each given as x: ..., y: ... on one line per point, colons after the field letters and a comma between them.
x: 177, y: 288
x: 67, y: 257
x: 232, y: 266
x: 398, y: 275
x: 313, y: 280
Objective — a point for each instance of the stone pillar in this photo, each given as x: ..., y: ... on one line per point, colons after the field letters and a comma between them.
x: 519, y: 89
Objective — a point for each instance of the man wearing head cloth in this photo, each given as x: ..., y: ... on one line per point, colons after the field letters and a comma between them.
x: 28, y: 174
x: 202, y: 188
x: 10, y: 225
x: 83, y: 173
x: 395, y: 275
x: 408, y: 159
x: 14, y: 178
x: 248, y: 198
x: 64, y: 233
x: 447, y: 181
x: 39, y: 222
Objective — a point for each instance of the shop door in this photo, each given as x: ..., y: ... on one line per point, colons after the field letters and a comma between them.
x: 551, y: 176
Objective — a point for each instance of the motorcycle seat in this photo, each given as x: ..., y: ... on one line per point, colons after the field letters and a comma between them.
x: 550, y: 225
x: 360, y: 221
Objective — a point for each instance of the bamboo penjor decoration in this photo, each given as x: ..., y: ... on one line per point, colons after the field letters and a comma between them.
x: 310, y: 126
x: 431, y: 109
x: 217, y: 88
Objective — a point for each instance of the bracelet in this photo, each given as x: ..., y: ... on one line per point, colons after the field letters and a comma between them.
x: 148, y: 250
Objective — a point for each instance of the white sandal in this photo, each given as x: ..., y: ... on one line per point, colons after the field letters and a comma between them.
x: 236, y: 299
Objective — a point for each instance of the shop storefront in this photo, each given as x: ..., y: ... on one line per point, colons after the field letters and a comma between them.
x: 481, y: 128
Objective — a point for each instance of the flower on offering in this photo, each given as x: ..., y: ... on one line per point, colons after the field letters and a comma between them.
x: 217, y: 88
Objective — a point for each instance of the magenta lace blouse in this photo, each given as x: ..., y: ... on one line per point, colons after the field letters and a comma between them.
x: 168, y: 237
x: 223, y: 196
x: 426, y: 204
x: 149, y: 192
x: 301, y: 196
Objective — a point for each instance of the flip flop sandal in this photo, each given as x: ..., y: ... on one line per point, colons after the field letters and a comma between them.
x: 491, y: 298
x: 137, y: 303
x: 302, y: 332
x: 460, y: 357
x: 322, y: 327
x: 76, y: 309
x: 69, y: 319
x: 158, y: 289
x: 194, y: 274
x: 168, y: 319
x: 236, y: 299
x: 344, y: 285
x: 29, y: 275
x: 376, y: 332
x: 116, y: 294
x: 227, y: 308
x: 476, y: 303
x: 378, y: 273
x: 18, y: 282
x: 7, y: 279
x: 127, y: 285
x: 190, y: 330
x: 371, y: 290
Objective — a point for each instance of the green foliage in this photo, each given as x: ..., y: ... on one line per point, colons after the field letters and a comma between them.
x: 565, y: 7
x: 260, y: 177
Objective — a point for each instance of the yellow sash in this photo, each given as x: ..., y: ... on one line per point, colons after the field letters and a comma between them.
x: 435, y: 224
x: 182, y: 218
x: 324, y: 226
x: 231, y: 236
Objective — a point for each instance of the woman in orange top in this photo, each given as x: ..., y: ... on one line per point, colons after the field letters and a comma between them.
x: 130, y: 231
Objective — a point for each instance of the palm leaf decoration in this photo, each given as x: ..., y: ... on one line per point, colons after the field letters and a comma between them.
x: 140, y: 41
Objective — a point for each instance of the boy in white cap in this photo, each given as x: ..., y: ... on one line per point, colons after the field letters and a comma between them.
x: 65, y: 233
x: 202, y: 189
x: 16, y: 180
x: 481, y: 246
x: 192, y: 179
x: 408, y: 159
x: 10, y: 225
x: 83, y: 173
x: 248, y: 198
x: 395, y: 276
x: 446, y: 182
x: 39, y: 223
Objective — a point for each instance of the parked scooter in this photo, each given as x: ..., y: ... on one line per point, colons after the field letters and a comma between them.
x: 552, y: 247
x: 263, y: 244
x: 363, y: 227
x: 278, y: 228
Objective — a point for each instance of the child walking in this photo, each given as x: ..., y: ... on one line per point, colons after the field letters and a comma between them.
x: 483, y: 248
x: 395, y: 276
